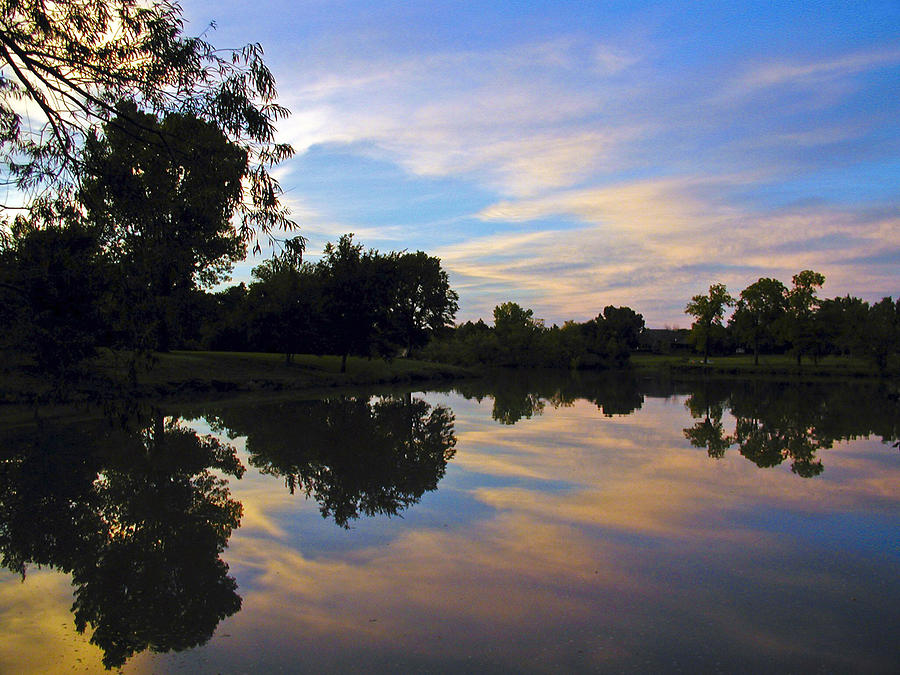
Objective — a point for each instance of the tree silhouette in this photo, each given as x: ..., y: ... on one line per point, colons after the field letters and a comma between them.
x: 75, y: 60
x: 136, y: 516
x: 163, y: 217
x: 353, y: 456
x: 759, y: 313
x: 800, y: 328
x: 708, y: 310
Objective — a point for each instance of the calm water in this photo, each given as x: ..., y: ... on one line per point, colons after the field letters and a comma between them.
x: 602, y: 524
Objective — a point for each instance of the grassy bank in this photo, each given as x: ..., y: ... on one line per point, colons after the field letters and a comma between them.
x: 185, y: 373
x: 772, y: 365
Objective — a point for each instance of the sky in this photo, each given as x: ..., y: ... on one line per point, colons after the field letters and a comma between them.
x: 573, y: 155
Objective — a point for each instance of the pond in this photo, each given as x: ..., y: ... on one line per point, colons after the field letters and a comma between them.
x: 525, y: 523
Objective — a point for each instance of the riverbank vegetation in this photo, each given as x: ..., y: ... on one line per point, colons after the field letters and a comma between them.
x: 772, y: 319
x: 154, y: 161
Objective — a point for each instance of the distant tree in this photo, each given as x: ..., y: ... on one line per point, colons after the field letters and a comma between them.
x: 610, y: 337
x: 625, y: 324
x: 708, y: 310
x: 71, y: 62
x: 284, y: 306
x: 515, y: 328
x: 356, y: 297
x: 802, y: 303
x: 163, y: 217
x: 424, y: 302
x: 838, y: 323
x: 759, y: 312
x: 881, y: 332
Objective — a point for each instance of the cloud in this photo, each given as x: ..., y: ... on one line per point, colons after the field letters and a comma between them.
x: 652, y: 244
x: 521, y: 118
x: 813, y: 73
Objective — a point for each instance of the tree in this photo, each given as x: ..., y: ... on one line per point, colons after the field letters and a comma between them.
x: 52, y: 288
x: 708, y: 311
x: 284, y: 307
x: 356, y: 296
x: 74, y: 61
x: 163, y: 218
x: 802, y: 304
x: 759, y: 312
x: 424, y: 302
x: 881, y: 332
x: 515, y: 329
x: 838, y: 322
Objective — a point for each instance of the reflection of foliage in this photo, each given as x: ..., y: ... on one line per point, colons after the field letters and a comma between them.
x: 709, y: 433
x: 775, y: 422
x: 526, y: 394
x: 137, y: 518
x: 510, y: 407
x: 352, y: 455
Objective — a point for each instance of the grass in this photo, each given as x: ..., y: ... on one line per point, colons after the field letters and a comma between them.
x: 187, y: 373
x: 742, y: 364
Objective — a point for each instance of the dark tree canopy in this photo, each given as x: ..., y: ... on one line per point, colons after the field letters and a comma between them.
x: 163, y: 217
x: 51, y: 284
x: 69, y: 64
x: 708, y: 310
x: 425, y: 302
x: 138, y: 514
x: 760, y: 313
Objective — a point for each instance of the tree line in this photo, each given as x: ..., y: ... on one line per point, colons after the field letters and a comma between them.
x: 126, y: 261
x: 352, y: 301
x: 771, y: 318
x: 517, y: 338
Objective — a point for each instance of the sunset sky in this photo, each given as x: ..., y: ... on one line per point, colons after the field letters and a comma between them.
x: 571, y: 155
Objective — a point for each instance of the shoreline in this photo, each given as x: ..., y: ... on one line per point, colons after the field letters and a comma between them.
x: 186, y: 374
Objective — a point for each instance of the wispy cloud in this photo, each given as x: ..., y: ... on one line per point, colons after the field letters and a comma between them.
x: 812, y: 73
x: 652, y: 244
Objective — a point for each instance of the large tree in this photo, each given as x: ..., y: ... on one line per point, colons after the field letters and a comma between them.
x: 708, y: 310
x: 65, y: 65
x: 357, y: 292
x: 802, y: 303
x: 759, y: 312
x: 163, y: 216
x: 424, y: 303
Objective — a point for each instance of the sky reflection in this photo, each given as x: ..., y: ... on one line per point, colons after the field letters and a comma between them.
x: 580, y: 541
x: 569, y: 540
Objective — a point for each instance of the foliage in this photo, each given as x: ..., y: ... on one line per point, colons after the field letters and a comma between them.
x: 708, y: 310
x: 759, y: 313
x: 424, y: 302
x: 802, y: 303
x: 52, y: 291
x: 518, y: 339
x: 70, y: 63
x: 163, y: 218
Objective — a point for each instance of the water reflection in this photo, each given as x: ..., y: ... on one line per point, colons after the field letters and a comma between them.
x: 562, y: 538
x: 353, y: 455
x: 524, y: 395
x: 776, y: 422
x: 135, y: 514
x: 773, y: 421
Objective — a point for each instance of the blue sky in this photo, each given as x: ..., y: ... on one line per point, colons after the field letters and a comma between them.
x: 571, y: 155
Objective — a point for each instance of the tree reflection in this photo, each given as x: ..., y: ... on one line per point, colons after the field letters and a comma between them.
x: 776, y: 422
x: 353, y: 455
x: 525, y: 394
x: 136, y: 516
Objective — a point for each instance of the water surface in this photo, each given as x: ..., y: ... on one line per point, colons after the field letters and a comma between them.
x: 530, y: 524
